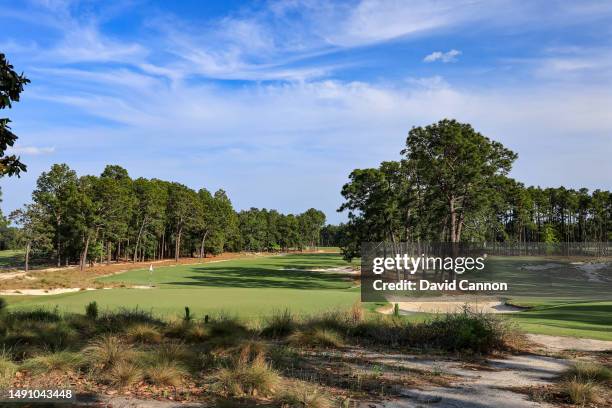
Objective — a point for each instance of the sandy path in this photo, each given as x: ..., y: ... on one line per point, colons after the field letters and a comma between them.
x: 558, y: 343
x: 476, y: 388
x: 452, y: 307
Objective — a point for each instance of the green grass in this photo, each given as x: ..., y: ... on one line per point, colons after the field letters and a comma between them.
x: 575, y: 319
x: 255, y: 287
x: 11, y: 258
x: 246, y: 287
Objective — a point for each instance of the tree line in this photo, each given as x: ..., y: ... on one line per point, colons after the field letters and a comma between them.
x: 113, y: 217
x: 451, y: 185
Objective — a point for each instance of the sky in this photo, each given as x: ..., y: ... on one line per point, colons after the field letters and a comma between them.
x: 277, y: 101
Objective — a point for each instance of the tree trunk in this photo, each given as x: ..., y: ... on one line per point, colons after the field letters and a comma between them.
x: 84, y: 253
x: 138, y: 239
x: 202, y: 245
x: 453, y: 220
x: 177, y: 248
x: 27, y: 256
x: 108, y: 252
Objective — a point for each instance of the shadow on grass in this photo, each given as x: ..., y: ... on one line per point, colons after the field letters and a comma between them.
x: 264, y: 276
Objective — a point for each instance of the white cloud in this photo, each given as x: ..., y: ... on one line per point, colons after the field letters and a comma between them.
x: 449, y: 56
x: 31, y: 150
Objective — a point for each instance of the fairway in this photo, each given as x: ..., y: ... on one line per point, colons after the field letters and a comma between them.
x: 246, y: 287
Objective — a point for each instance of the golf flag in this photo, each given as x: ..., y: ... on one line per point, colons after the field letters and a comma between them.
x: 151, y: 268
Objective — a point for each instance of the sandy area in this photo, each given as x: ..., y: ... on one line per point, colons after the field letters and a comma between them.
x: 452, y: 307
x: 41, y: 292
x: 569, y: 343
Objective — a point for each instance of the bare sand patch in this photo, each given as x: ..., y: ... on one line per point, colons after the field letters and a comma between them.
x: 560, y: 343
x: 452, y: 307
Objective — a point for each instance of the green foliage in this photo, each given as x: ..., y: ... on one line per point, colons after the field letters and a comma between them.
x: 91, y: 310
x: 11, y: 86
x: 452, y: 186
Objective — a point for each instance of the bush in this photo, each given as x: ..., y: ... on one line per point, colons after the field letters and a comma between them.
x: 91, y: 310
x: 316, y: 337
x: 116, y: 321
x: 279, y: 325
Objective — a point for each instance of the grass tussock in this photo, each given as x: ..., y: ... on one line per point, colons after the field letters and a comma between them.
x: 124, y: 373
x: 248, y: 376
x: 279, y: 325
x: 144, y: 333
x: 586, y: 371
x: 317, y: 337
x: 579, y: 392
x: 164, y: 372
x: 107, y: 351
x: 63, y: 361
x: 7, y: 370
x: 302, y: 395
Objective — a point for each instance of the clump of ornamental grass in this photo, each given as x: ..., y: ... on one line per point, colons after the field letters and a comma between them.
x: 107, y: 351
x: 578, y: 392
x: 163, y: 372
x: 124, y: 373
x: 197, y: 333
x: 279, y: 325
x: 302, y: 395
x: 587, y: 371
x: 316, y: 337
x: 247, y: 377
x: 63, y: 361
x: 144, y: 333
x: 7, y: 369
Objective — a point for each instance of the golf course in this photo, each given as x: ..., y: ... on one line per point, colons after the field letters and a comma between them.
x: 305, y: 283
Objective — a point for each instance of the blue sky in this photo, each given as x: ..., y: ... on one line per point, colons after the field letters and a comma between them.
x: 277, y: 101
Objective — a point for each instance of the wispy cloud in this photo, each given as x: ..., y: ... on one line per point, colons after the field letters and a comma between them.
x: 31, y: 150
x: 448, y: 56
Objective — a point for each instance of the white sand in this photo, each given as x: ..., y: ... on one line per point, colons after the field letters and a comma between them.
x: 453, y: 307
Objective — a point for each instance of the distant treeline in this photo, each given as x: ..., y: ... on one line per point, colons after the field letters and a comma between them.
x: 451, y: 185
x: 84, y: 219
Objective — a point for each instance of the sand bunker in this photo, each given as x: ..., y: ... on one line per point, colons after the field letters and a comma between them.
x: 452, y: 307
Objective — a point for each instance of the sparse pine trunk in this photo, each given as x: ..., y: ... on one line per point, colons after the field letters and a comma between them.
x: 177, y: 248
x: 202, y: 255
x: 84, y: 253
x: 27, y: 256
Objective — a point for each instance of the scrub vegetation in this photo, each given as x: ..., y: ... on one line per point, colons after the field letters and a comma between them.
x: 220, y: 356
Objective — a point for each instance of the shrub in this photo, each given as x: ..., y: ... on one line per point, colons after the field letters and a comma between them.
x: 37, y: 315
x: 144, y: 333
x: 91, y: 310
x: 59, y: 361
x: 187, y: 317
x: 585, y: 371
x: 224, y: 326
x: 578, y: 392
x: 107, y: 351
x: 115, y: 321
x: 124, y: 373
x: 254, y: 378
x: 316, y: 337
x: 280, y: 324
x: 302, y: 395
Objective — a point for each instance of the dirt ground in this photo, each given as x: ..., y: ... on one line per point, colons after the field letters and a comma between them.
x: 74, y: 279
